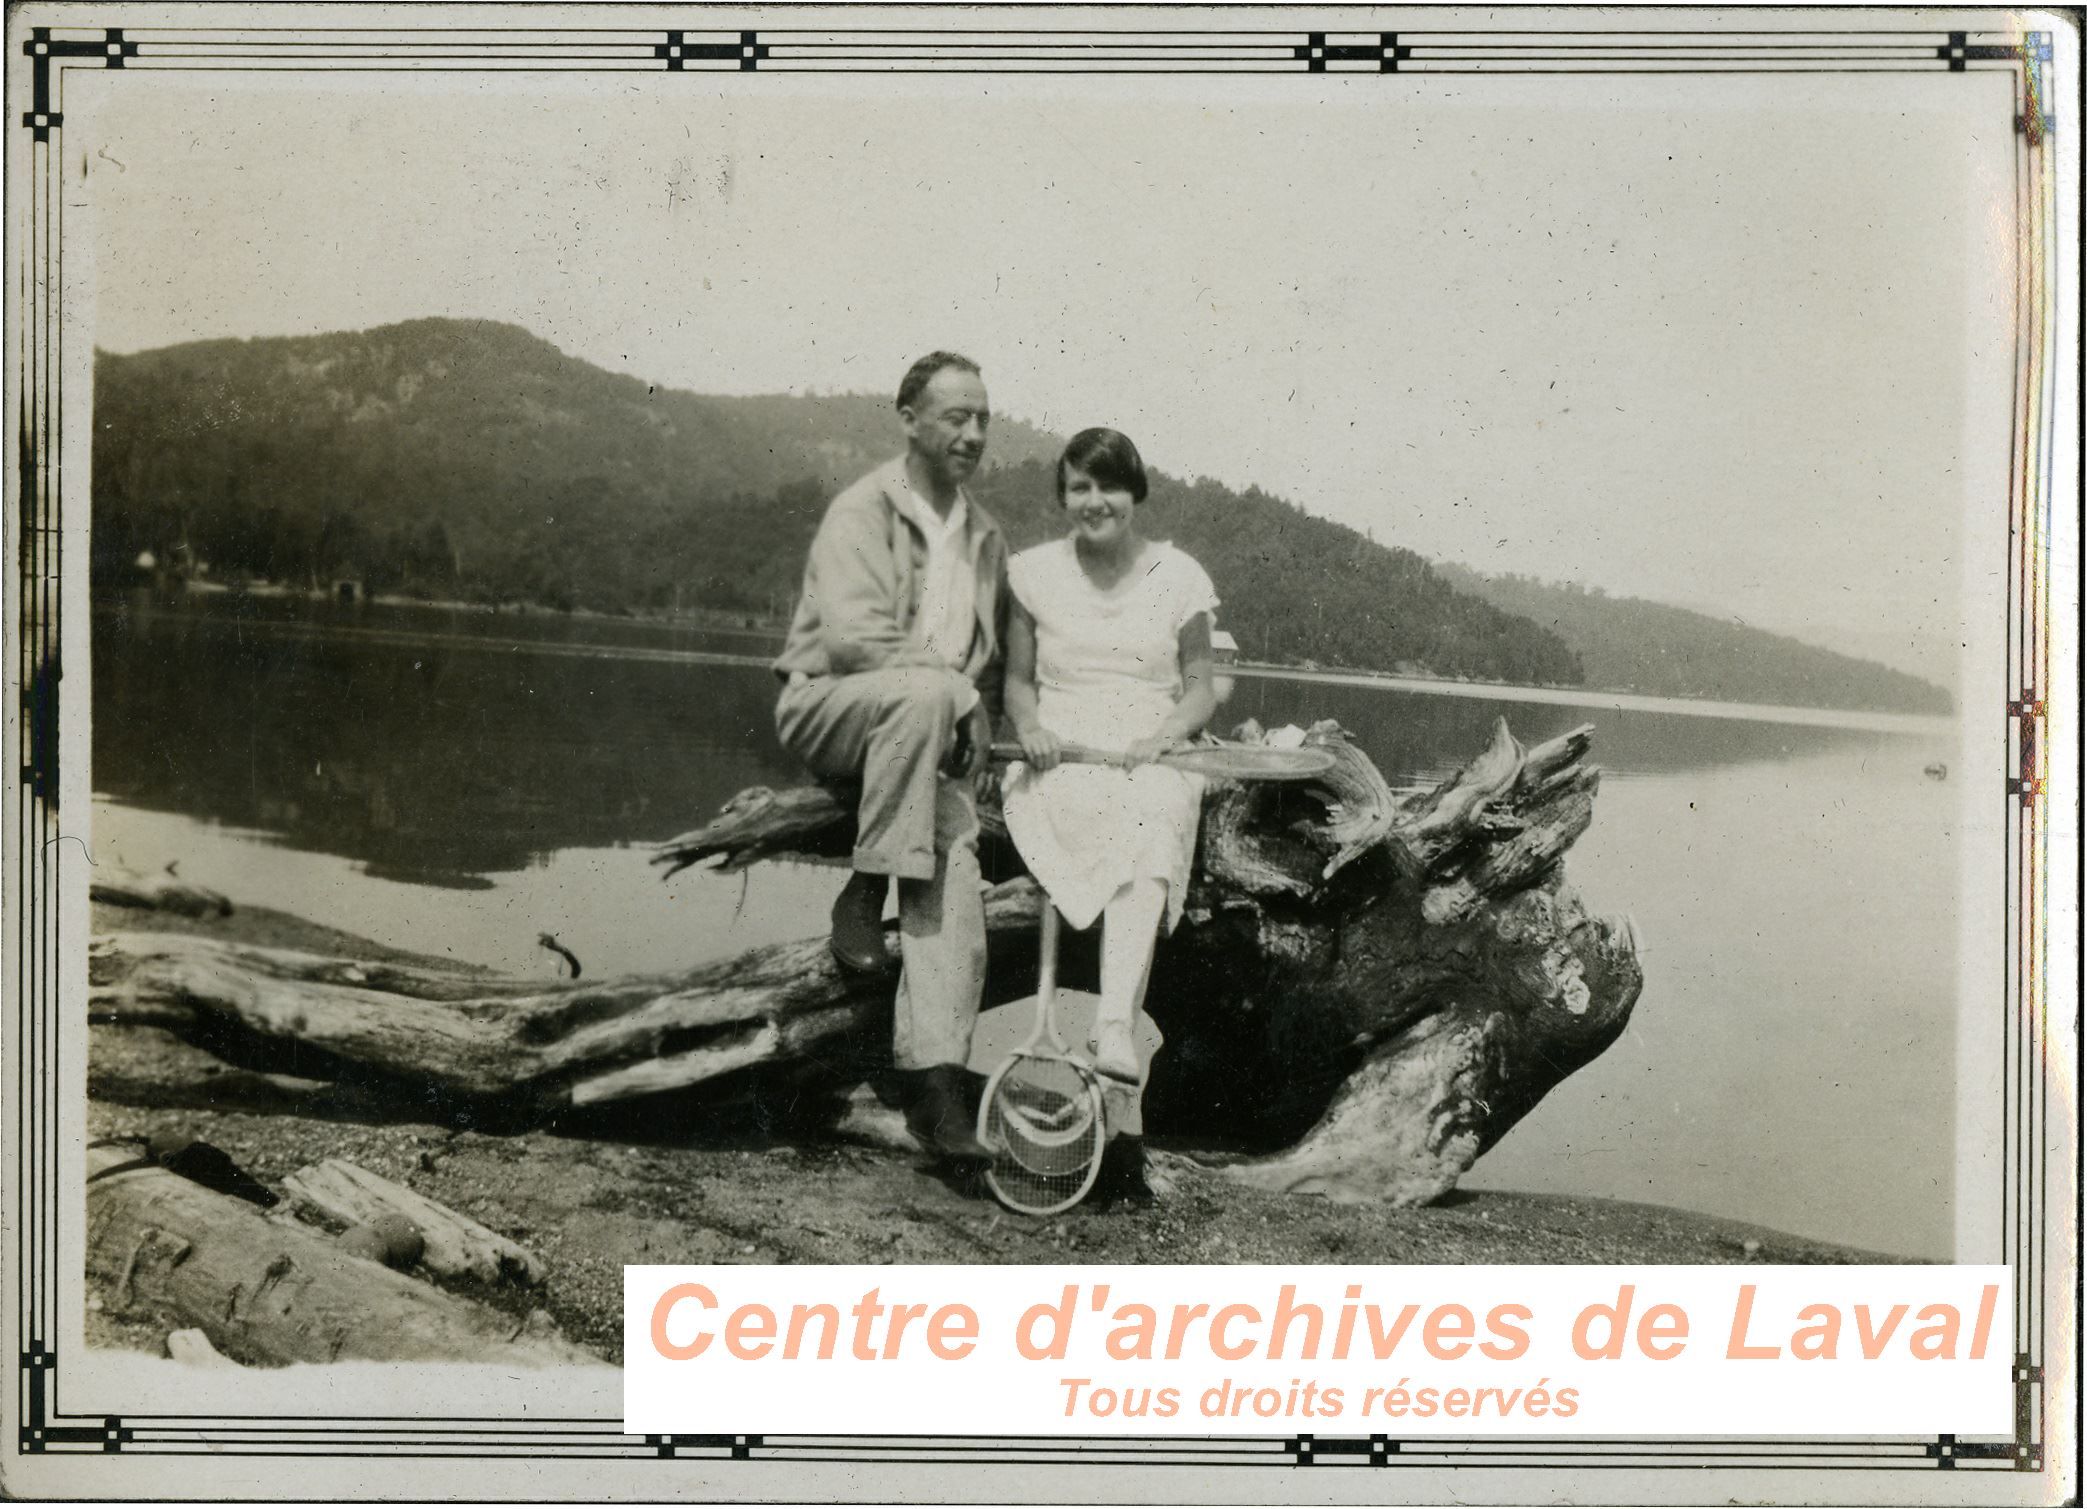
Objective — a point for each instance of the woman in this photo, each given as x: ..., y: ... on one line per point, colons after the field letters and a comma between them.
x: 1109, y: 646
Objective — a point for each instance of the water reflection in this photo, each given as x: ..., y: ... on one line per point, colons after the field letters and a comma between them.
x: 1416, y: 737
x: 439, y: 746
x: 439, y: 756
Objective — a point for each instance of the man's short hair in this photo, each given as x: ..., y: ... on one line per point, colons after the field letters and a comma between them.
x: 922, y: 372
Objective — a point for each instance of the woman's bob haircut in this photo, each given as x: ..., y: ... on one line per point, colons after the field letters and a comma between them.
x: 1108, y: 457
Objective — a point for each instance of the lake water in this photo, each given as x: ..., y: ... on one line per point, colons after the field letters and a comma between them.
x: 458, y: 783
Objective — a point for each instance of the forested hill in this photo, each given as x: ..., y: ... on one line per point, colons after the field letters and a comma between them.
x: 1630, y: 644
x: 465, y: 459
x: 462, y: 459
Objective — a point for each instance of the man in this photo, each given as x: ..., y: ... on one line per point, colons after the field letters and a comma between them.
x: 892, y: 672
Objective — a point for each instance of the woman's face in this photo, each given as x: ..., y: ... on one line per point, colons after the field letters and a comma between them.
x: 1100, y: 512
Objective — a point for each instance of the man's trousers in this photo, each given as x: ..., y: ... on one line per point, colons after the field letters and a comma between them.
x: 891, y: 730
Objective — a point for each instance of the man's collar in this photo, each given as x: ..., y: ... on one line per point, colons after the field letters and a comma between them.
x: 897, y: 486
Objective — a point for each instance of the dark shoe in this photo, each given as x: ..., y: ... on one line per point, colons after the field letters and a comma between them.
x: 1121, y: 1179
x: 943, y: 1119
x: 858, y: 925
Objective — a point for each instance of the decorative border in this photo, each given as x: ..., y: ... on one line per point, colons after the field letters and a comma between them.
x: 50, y: 54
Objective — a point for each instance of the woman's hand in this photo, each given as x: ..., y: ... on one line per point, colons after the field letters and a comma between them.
x: 1145, y: 751
x: 1041, y: 749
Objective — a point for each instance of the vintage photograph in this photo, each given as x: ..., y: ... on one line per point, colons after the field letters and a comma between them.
x: 924, y: 659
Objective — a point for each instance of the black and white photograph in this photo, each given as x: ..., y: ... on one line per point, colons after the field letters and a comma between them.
x: 1027, y: 636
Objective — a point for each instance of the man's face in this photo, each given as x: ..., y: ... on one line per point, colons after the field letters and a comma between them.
x: 946, y: 425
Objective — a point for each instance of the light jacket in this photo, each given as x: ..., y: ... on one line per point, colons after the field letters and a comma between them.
x: 862, y: 587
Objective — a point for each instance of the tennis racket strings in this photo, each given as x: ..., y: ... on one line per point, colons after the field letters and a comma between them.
x: 1042, y: 1110
x: 1046, y: 1128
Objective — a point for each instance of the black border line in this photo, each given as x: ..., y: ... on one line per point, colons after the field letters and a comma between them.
x: 45, y: 1428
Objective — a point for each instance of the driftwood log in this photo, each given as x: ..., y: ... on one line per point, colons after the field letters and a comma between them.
x: 1368, y: 989
x: 452, y: 1245
x: 193, y: 1347
x: 270, y: 1291
x: 164, y: 892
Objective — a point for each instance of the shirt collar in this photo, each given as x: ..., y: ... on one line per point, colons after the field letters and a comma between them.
x: 916, y: 508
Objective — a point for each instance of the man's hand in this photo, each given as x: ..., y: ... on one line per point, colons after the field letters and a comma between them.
x: 1145, y: 751
x: 978, y: 754
x: 1041, y: 749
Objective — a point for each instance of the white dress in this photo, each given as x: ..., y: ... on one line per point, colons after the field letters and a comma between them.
x: 1108, y: 672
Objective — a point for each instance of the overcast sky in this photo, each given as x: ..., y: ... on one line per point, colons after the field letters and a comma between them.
x: 1705, y: 340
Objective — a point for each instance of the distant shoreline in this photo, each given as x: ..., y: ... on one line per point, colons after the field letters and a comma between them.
x: 719, y: 622
x: 1610, y: 701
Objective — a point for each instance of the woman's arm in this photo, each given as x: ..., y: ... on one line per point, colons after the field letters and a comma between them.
x: 1039, y: 745
x: 1198, y: 700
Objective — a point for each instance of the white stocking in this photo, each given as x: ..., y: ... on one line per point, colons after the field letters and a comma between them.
x: 1129, y: 929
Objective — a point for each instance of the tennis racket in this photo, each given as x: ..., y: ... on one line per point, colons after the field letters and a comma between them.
x: 1237, y: 762
x: 1041, y: 1113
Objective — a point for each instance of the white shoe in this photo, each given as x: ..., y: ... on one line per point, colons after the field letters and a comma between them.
x: 1115, y: 1053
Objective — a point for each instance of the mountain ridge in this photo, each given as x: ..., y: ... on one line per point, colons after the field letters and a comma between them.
x: 474, y: 459
x: 1640, y: 644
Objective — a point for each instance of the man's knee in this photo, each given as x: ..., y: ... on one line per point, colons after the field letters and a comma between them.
x: 922, y: 686
x: 917, y: 702
x: 831, y: 724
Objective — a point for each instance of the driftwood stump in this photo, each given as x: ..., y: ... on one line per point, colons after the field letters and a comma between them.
x: 1368, y: 989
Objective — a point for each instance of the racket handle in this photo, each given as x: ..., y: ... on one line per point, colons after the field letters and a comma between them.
x: 1047, y: 960
x: 1071, y: 754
